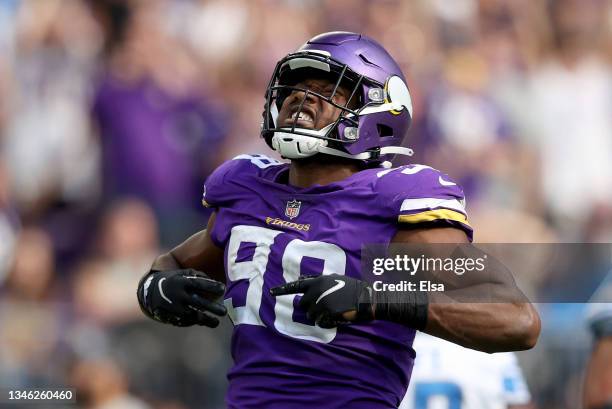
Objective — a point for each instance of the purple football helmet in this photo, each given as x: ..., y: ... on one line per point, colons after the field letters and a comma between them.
x: 371, y: 124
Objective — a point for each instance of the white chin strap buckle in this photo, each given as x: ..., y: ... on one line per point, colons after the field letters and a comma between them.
x: 293, y: 146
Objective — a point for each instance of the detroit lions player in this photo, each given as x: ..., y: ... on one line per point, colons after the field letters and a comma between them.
x: 448, y: 376
x: 338, y: 108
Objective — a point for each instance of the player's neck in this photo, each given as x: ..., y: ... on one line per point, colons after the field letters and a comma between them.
x: 305, y: 172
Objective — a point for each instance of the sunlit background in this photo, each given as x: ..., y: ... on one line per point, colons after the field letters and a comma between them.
x: 112, y: 114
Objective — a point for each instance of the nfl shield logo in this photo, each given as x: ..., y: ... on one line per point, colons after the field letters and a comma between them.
x: 293, y: 208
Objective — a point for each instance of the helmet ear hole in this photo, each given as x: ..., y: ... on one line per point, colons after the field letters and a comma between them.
x: 384, y: 130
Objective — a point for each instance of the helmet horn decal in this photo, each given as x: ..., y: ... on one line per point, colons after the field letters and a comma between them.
x: 398, y: 95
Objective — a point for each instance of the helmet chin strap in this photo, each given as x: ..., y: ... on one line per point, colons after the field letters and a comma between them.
x: 396, y: 150
x: 294, y: 146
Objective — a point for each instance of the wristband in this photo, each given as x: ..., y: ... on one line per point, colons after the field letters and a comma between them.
x: 402, y: 307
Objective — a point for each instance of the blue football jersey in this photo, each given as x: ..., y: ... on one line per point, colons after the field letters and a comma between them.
x: 449, y: 376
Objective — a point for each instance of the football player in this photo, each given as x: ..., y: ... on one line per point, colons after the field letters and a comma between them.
x: 283, y: 246
x: 446, y: 375
x: 598, y: 379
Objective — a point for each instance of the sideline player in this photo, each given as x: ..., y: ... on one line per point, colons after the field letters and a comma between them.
x: 446, y: 375
x: 338, y: 108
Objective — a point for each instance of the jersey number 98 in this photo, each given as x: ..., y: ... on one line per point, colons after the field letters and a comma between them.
x: 254, y: 267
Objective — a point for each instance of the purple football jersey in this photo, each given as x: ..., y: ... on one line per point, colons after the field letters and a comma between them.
x: 273, y: 233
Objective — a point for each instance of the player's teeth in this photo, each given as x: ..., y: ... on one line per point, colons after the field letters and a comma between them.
x: 305, y: 117
x: 302, y: 116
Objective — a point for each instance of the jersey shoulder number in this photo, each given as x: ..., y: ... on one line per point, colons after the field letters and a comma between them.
x: 421, y: 194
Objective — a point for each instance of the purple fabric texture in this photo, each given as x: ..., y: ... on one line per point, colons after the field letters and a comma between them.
x: 356, y: 366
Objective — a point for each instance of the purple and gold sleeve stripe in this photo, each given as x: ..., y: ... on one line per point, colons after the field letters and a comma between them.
x: 424, y: 210
x: 433, y: 215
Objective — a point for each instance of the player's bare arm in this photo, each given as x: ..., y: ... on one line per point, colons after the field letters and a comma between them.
x: 197, y: 252
x: 488, y: 327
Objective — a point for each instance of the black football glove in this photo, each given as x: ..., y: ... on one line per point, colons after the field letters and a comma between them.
x: 181, y: 298
x: 327, y: 297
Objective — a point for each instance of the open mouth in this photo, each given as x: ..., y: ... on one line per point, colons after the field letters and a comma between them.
x: 303, y: 119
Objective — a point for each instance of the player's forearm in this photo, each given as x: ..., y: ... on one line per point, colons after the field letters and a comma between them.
x: 166, y: 262
x: 185, y: 255
x: 172, y: 260
x: 197, y: 252
x: 487, y: 327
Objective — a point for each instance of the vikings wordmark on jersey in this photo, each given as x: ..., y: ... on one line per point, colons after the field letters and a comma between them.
x: 277, y: 351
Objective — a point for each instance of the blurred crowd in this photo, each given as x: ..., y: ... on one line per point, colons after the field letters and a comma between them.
x: 113, y: 112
